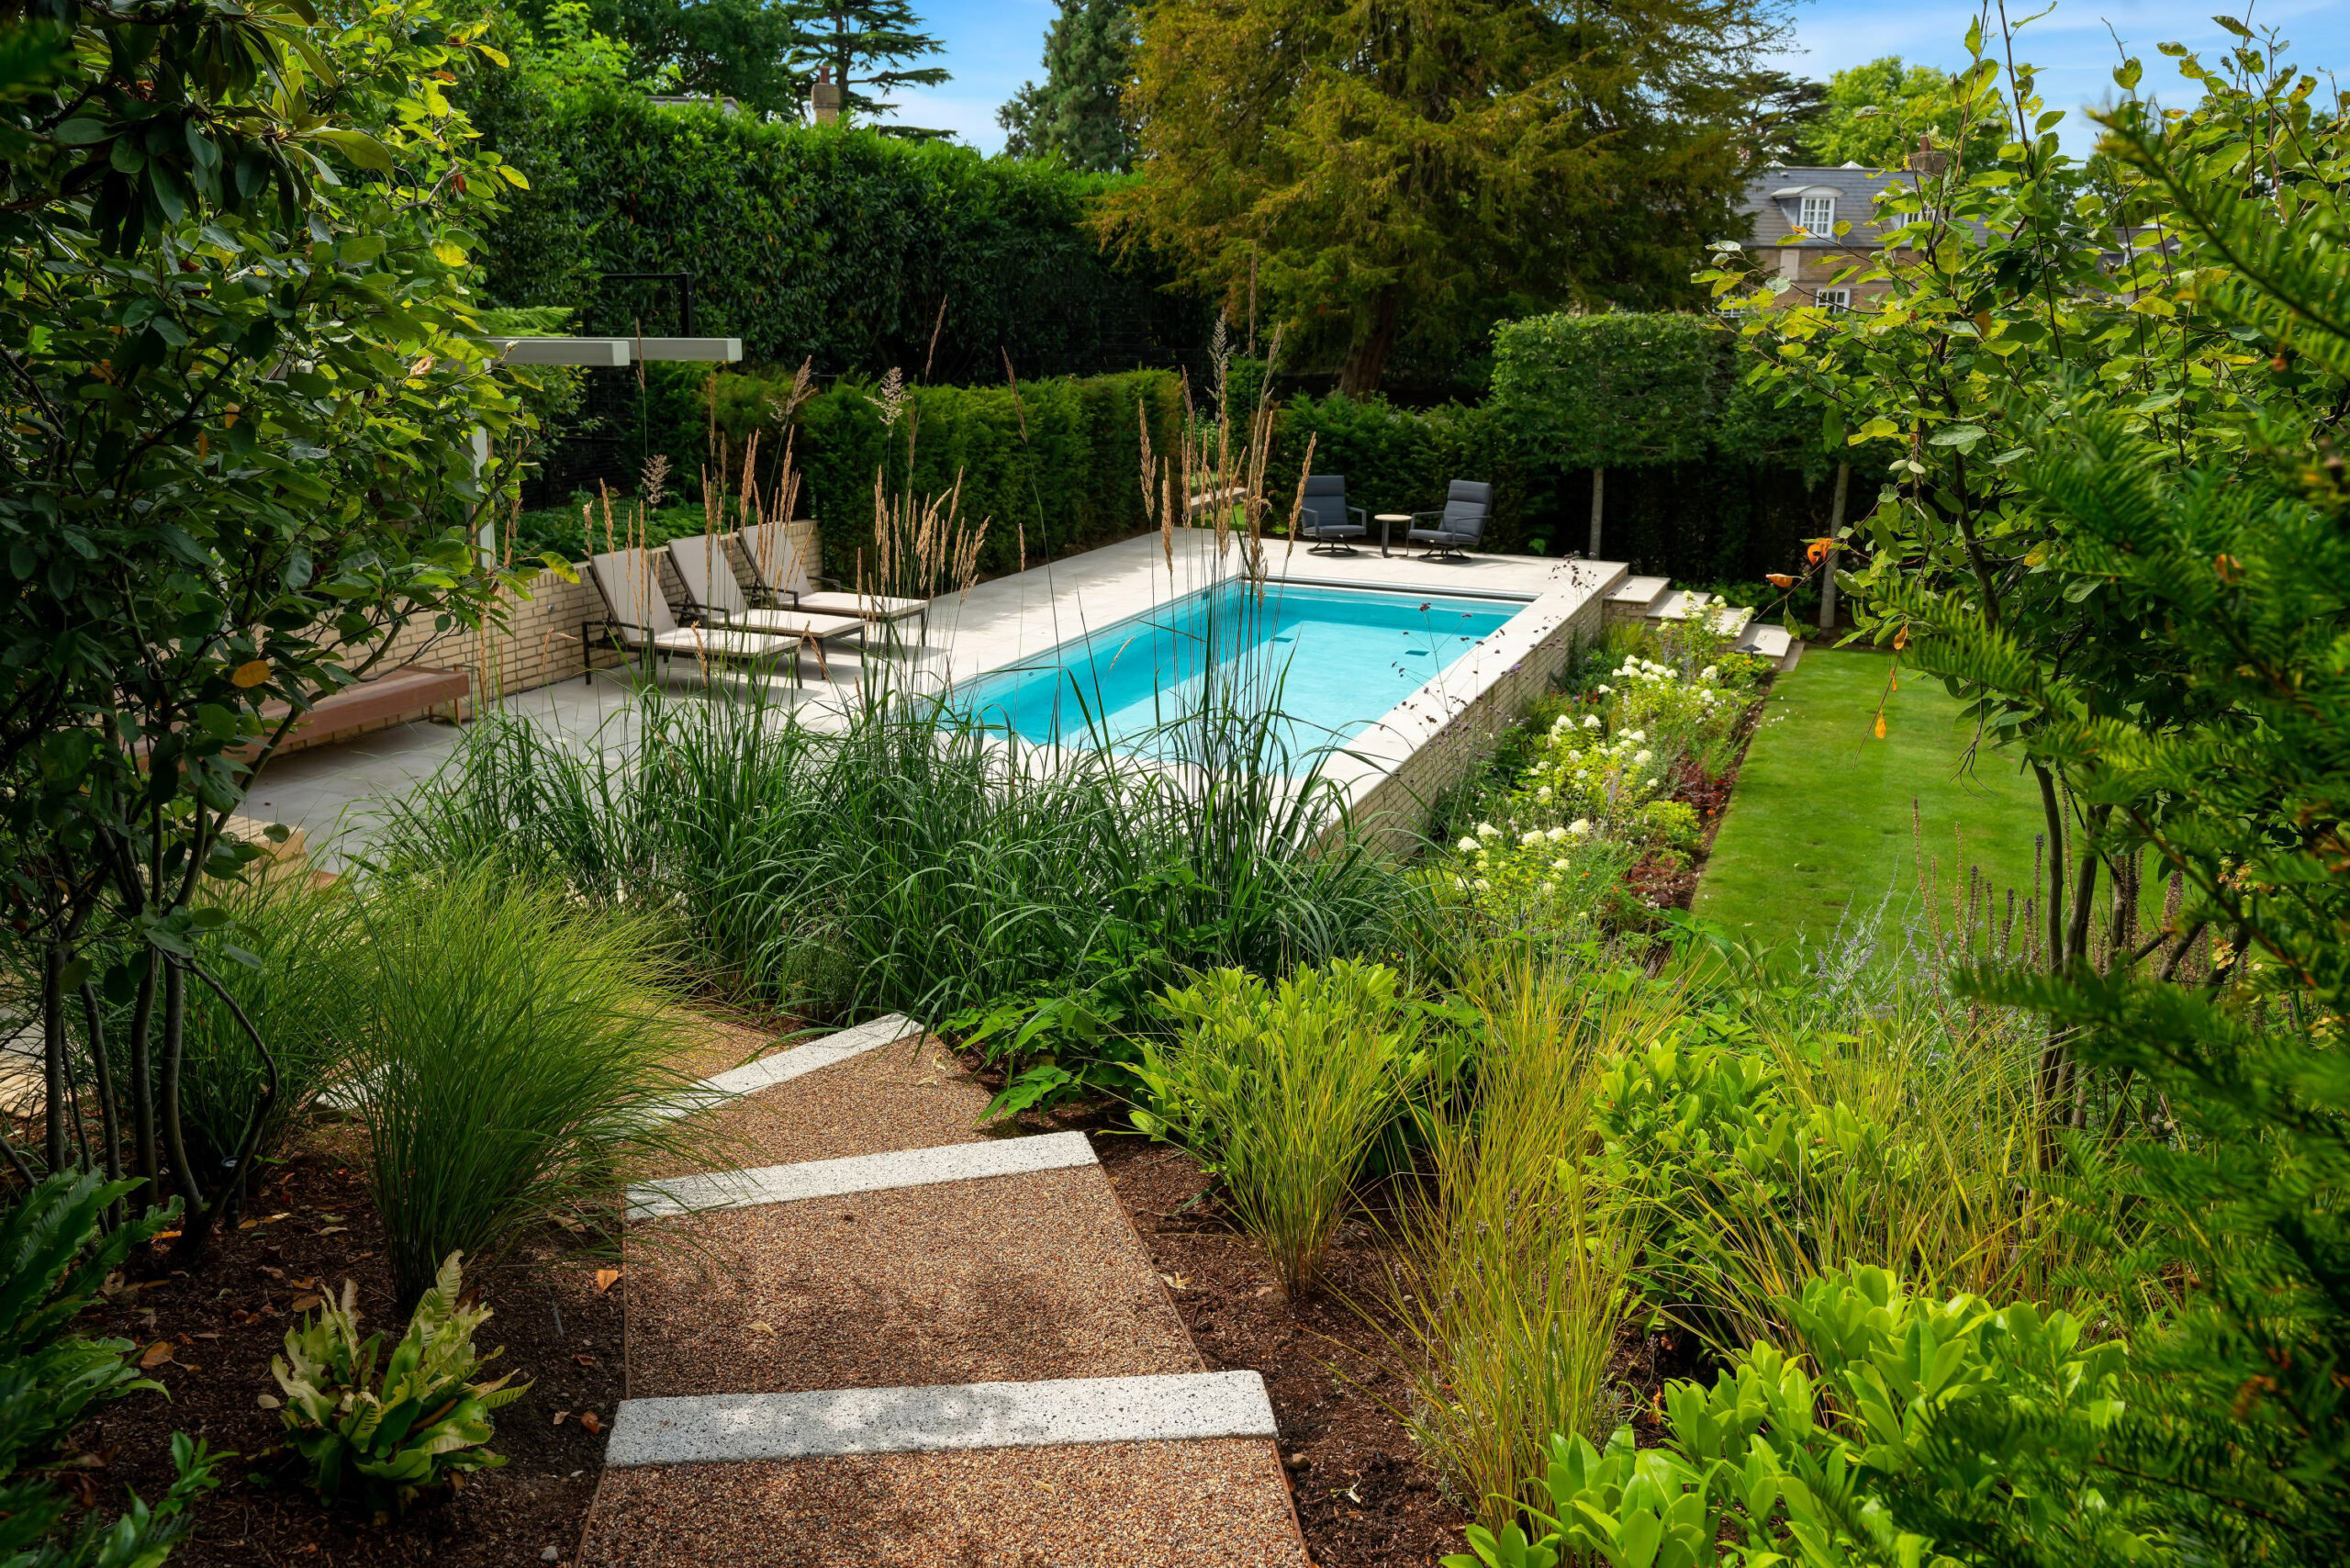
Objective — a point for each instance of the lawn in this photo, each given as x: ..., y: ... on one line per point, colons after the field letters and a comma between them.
x: 1823, y: 811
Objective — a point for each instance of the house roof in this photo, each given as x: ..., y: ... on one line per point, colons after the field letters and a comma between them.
x: 1775, y: 196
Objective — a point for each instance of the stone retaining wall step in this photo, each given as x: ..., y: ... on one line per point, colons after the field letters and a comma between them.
x: 728, y: 1428
x: 786, y: 1064
x: 859, y: 1174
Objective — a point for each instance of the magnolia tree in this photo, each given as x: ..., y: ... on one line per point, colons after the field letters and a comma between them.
x: 239, y: 453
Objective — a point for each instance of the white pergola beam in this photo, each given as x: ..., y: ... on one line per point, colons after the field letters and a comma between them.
x: 614, y: 353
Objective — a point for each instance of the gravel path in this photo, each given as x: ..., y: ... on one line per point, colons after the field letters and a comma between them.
x: 1025, y: 1279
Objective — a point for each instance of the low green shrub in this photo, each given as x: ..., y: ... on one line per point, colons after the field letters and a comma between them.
x: 1282, y: 1092
x: 1772, y: 1464
x: 513, y: 1047
x: 54, y: 1261
x: 1673, y: 824
x: 423, y: 1424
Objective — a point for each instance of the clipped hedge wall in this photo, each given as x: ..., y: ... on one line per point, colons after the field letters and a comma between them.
x: 825, y: 241
x: 1054, y: 473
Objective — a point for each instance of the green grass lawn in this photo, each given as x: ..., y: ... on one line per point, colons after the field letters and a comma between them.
x: 1821, y: 814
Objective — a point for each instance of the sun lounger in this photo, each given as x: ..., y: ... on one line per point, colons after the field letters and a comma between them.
x: 719, y: 600
x: 637, y: 615
x: 782, y: 576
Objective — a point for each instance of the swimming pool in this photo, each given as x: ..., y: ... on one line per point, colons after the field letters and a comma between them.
x: 1331, y: 661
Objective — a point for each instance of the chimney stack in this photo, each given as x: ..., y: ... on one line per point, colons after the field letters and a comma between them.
x: 825, y: 95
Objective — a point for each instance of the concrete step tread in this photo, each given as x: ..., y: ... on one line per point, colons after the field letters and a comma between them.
x: 723, y: 1427
x: 785, y: 1066
x: 1680, y: 604
x: 1642, y: 591
x: 859, y: 1174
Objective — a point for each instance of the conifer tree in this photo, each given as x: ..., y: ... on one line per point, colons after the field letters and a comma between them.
x: 864, y: 42
x: 1080, y: 110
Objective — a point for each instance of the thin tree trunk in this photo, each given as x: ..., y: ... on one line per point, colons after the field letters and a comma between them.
x: 1599, y: 508
x: 52, y: 1055
x: 143, y: 1083
x: 192, y: 1223
x: 109, y: 1119
x: 1366, y: 359
x: 2050, y: 1081
x: 1828, y: 565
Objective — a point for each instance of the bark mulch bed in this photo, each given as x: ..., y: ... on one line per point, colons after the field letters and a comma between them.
x: 310, y: 1229
x: 1363, y: 1497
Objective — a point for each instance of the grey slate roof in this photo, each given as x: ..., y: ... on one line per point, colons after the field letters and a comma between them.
x: 1776, y: 215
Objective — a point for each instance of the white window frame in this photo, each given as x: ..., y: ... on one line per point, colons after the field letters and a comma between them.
x: 1816, y: 215
x: 1834, y: 298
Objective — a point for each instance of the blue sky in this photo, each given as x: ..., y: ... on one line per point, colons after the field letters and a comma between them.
x: 992, y: 46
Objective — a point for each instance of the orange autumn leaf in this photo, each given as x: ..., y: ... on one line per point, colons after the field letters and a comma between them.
x: 1880, y: 723
x: 2229, y: 569
x: 604, y: 1278
x: 155, y: 1355
x: 1901, y: 639
x: 1780, y: 579
x: 587, y: 1419
x: 1818, y: 549
x: 250, y: 674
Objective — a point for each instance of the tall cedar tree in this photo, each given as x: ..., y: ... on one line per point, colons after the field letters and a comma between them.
x: 864, y: 42
x: 1353, y: 165
x: 1079, y: 112
x: 724, y: 49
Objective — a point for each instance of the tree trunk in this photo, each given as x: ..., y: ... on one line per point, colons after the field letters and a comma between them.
x: 53, y: 1058
x: 1599, y: 508
x: 1367, y: 360
x: 1828, y: 564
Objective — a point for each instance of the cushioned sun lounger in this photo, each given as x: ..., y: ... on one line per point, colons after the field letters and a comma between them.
x: 782, y: 574
x: 719, y: 600
x: 637, y: 614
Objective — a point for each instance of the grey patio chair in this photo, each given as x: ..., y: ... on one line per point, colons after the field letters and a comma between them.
x: 719, y: 600
x: 1322, y: 516
x: 637, y: 616
x: 1451, y: 532
x: 780, y: 576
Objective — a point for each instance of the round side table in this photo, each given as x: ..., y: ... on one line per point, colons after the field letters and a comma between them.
x: 1386, y: 520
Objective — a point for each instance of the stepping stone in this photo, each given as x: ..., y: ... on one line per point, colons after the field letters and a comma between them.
x: 1773, y: 642
x: 1015, y: 1278
x: 1633, y: 598
x: 859, y: 1174
x: 1680, y: 605
x: 1219, y: 1503
x: 729, y: 1427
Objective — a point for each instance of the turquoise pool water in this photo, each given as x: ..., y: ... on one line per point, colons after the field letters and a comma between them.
x: 1329, y: 660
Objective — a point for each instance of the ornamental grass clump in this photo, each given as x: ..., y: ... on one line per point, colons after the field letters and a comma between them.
x: 1282, y: 1092
x: 1511, y: 1275
x: 513, y: 1048
x: 424, y: 1424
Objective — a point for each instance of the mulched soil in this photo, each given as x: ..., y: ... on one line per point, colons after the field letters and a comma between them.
x: 1362, y: 1494
x: 309, y: 1231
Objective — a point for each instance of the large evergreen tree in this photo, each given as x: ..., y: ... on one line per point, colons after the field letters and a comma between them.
x: 1080, y: 110
x: 864, y: 43
x: 1364, y: 165
x: 1874, y: 115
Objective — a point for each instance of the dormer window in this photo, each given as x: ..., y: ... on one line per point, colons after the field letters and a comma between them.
x: 1817, y: 217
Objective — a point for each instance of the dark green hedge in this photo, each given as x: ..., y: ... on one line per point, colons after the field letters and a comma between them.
x: 1705, y: 479
x: 828, y: 243
x: 1057, y: 473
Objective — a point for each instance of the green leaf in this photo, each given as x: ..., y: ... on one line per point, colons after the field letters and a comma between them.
x: 359, y: 147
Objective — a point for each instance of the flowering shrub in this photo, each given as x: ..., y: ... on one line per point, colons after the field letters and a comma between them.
x: 1591, y: 795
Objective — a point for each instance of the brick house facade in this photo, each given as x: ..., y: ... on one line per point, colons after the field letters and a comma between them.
x: 1793, y: 211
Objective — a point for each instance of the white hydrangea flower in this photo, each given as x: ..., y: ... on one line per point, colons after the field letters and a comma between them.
x: 1560, y: 865
x: 1547, y: 889
x: 1529, y: 838
x: 1558, y: 835
x: 1487, y: 830
x: 1709, y: 672
x: 1483, y: 886
x: 1591, y: 722
x: 1580, y: 826
x: 1640, y: 759
x: 1543, y: 794
x: 1606, y: 690
x: 1467, y: 845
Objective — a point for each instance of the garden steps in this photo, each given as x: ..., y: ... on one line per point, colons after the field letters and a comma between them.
x: 1634, y: 599
x: 907, y: 1341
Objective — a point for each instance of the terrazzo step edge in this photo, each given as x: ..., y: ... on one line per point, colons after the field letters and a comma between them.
x: 734, y: 1428
x: 859, y: 1174
x: 786, y: 1064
